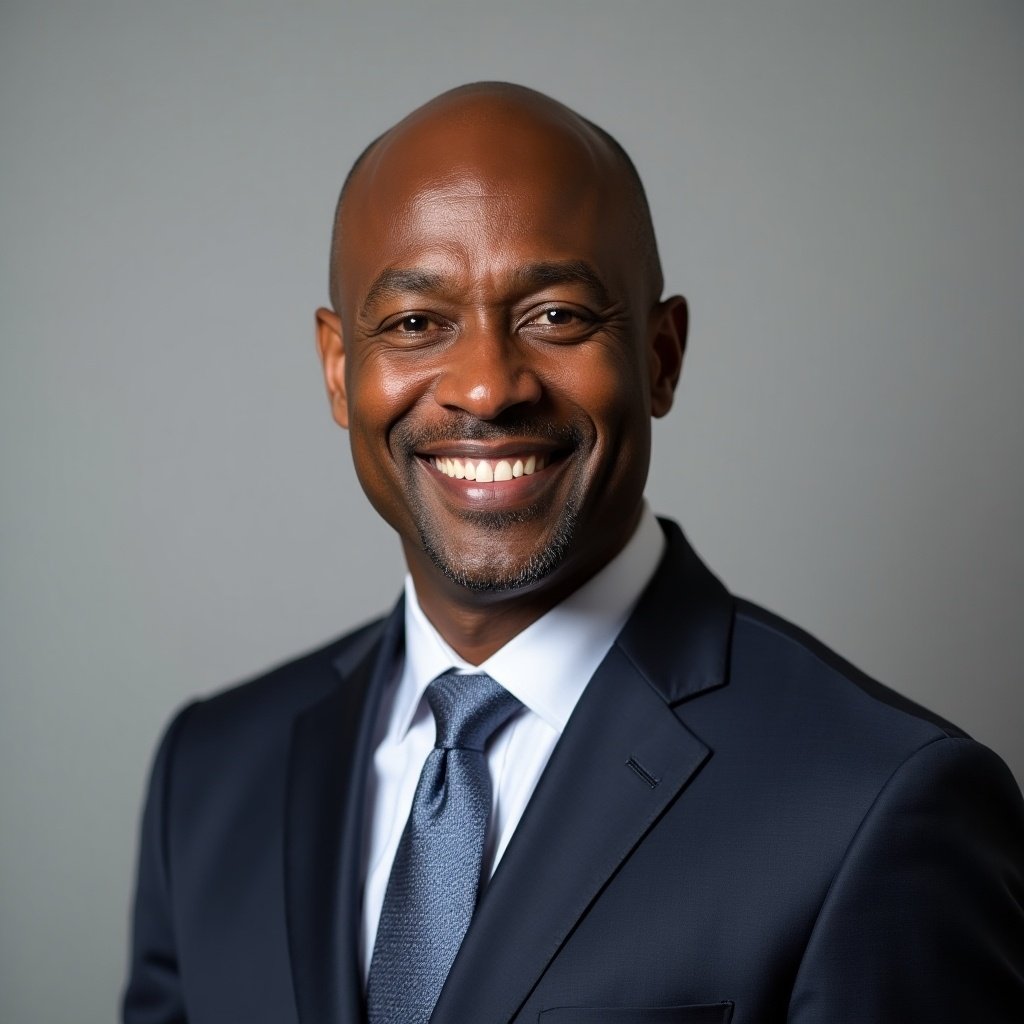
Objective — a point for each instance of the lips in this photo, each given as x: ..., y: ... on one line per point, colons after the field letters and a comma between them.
x: 509, y: 467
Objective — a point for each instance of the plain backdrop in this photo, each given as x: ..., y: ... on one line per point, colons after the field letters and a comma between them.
x: 837, y: 190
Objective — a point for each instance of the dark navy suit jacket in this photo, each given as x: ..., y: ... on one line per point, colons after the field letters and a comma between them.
x: 736, y: 825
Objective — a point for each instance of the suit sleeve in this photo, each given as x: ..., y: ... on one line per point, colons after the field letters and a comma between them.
x: 153, y: 994
x: 924, y: 921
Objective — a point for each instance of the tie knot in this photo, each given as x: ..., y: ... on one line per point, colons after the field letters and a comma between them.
x: 468, y: 710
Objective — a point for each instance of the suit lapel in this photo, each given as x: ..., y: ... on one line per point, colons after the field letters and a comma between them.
x: 331, y: 748
x: 622, y: 759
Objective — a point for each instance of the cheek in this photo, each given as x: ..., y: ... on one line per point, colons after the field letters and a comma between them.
x: 609, y: 389
x: 382, y: 389
x: 381, y: 393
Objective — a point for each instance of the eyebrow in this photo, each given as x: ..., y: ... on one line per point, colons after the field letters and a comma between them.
x: 531, y: 277
x: 543, y: 275
x: 395, y: 281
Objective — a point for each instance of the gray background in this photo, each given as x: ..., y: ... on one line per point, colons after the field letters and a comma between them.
x: 837, y: 188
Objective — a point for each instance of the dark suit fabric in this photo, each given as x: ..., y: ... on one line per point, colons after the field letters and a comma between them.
x: 736, y: 825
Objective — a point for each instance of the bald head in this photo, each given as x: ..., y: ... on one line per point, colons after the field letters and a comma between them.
x: 500, y: 131
x: 496, y: 297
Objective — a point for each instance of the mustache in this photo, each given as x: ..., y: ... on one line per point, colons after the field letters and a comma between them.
x: 512, y: 427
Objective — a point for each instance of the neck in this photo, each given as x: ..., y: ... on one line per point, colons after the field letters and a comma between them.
x: 476, y: 624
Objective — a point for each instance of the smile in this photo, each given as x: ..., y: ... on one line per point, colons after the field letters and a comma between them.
x: 489, y: 470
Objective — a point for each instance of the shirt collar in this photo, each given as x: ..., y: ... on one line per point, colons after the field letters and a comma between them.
x: 548, y: 665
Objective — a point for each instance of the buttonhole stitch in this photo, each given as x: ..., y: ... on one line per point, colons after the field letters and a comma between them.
x: 644, y: 774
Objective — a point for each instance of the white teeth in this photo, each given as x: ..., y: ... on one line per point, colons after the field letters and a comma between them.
x: 487, y: 471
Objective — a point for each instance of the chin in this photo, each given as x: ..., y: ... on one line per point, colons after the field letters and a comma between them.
x: 494, y: 573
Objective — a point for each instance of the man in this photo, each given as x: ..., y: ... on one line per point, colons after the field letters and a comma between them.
x: 649, y: 801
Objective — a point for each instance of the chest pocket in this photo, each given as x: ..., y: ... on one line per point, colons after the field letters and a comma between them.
x: 705, y: 1013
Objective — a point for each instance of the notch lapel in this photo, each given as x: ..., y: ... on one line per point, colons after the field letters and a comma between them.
x: 593, y: 806
x: 330, y: 753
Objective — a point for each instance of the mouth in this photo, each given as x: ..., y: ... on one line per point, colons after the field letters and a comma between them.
x: 512, y: 474
x: 493, y: 470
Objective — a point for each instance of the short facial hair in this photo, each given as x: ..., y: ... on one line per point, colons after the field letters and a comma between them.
x: 406, y: 442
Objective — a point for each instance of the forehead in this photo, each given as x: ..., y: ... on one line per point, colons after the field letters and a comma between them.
x: 479, y: 196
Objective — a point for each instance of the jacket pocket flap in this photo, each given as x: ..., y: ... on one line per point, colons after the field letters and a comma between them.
x: 705, y: 1013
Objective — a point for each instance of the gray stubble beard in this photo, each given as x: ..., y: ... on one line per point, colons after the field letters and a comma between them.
x: 539, y: 565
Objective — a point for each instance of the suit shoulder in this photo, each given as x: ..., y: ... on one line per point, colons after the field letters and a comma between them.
x: 287, y: 688
x: 810, y: 667
x: 825, y: 741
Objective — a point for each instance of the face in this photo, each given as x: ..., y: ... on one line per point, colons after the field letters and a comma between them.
x: 497, y: 357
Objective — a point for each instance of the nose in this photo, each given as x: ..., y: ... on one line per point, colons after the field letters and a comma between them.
x: 486, y: 372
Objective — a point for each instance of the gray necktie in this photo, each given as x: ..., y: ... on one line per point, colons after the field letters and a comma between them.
x: 435, y: 878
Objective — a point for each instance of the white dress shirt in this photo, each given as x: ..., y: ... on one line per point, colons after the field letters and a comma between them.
x: 547, y: 667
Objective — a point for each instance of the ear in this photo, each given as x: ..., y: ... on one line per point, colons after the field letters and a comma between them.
x: 669, y: 322
x: 331, y: 346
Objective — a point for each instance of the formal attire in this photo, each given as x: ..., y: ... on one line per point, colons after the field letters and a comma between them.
x: 733, y: 824
x: 546, y: 667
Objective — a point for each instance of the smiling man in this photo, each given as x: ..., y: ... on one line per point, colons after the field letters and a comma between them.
x: 497, y: 350
x: 570, y: 777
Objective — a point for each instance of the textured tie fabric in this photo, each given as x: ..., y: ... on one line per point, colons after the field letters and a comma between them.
x: 433, y: 886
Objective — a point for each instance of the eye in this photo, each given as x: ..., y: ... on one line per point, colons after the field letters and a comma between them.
x: 556, y: 317
x: 562, y: 325
x: 409, y: 328
x: 406, y: 330
x: 413, y: 324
